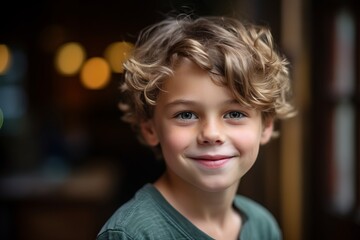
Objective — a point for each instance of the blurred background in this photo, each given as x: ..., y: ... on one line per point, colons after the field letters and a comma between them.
x: 67, y: 161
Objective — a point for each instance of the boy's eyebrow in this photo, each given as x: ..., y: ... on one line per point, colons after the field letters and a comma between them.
x: 191, y: 102
x: 180, y: 102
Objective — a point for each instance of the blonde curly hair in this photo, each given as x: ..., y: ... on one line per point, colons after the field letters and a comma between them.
x: 240, y: 56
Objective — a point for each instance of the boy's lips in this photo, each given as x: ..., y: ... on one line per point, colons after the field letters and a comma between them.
x: 212, y: 161
x: 211, y: 157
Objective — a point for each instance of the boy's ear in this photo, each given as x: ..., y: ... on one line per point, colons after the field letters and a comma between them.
x: 268, y: 128
x: 148, y: 132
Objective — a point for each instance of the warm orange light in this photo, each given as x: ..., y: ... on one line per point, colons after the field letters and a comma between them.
x: 95, y: 73
x: 69, y: 58
x: 5, y: 57
x: 117, y: 53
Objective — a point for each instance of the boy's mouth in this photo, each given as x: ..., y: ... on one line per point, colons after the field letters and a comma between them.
x: 212, y: 161
x: 211, y: 157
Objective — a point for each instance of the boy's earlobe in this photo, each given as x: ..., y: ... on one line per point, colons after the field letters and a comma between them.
x: 148, y: 132
x: 267, y: 132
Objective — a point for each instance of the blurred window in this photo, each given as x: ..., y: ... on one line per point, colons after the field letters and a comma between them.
x: 343, y: 113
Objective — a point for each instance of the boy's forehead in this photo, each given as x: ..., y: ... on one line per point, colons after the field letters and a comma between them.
x: 183, y: 64
x: 191, y: 83
x: 187, y: 73
x: 186, y: 68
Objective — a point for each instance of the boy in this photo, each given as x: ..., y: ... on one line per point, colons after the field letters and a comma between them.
x: 204, y: 93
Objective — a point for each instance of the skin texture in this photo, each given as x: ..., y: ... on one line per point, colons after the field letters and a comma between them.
x: 209, y: 141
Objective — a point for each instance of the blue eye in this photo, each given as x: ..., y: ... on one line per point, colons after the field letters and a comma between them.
x: 234, y: 114
x: 186, y: 116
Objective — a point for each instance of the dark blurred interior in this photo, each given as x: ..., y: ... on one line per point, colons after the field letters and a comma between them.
x: 67, y: 161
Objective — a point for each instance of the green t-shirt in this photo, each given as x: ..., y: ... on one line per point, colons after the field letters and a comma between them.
x: 149, y: 216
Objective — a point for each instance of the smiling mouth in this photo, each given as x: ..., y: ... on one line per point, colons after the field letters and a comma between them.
x: 213, y: 161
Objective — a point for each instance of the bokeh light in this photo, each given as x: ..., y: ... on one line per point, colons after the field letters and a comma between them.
x: 117, y: 53
x: 5, y: 58
x: 95, y: 73
x: 69, y: 58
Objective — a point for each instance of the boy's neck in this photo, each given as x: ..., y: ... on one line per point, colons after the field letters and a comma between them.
x: 211, y: 212
x: 195, y: 204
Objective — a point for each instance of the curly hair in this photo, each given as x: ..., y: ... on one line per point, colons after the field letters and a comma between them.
x: 240, y: 56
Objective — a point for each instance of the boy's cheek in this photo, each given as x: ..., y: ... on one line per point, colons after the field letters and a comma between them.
x: 179, y: 138
x: 245, y: 140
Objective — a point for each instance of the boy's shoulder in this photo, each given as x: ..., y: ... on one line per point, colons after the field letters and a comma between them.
x: 132, y: 215
x: 251, y: 208
x: 256, y: 220
x: 148, y: 216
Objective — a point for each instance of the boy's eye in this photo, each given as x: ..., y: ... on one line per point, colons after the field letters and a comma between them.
x: 234, y: 114
x: 186, y: 116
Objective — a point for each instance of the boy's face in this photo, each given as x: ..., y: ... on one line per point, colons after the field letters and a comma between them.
x: 208, y: 139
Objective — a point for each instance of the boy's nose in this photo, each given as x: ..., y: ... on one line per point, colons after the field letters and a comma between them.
x: 210, y: 134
